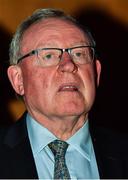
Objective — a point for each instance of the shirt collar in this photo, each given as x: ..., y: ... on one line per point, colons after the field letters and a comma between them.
x: 39, y: 135
x: 81, y: 140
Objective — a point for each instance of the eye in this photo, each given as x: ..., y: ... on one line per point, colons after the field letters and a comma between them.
x: 48, y: 56
x: 78, y: 54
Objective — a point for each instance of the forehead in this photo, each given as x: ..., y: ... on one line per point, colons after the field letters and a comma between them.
x: 52, y: 31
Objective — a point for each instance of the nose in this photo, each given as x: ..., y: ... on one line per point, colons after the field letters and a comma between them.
x: 67, y: 64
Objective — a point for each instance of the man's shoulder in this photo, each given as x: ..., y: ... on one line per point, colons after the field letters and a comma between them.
x: 10, y: 131
x: 110, y: 140
x: 16, y: 158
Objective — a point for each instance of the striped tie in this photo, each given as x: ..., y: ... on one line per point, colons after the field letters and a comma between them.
x: 60, y: 168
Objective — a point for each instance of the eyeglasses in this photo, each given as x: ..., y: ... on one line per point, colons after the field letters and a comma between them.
x: 52, y: 56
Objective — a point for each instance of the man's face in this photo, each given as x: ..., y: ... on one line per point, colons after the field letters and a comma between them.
x: 60, y: 91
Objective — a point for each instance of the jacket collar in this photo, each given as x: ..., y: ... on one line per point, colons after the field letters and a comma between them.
x: 108, y: 156
x: 18, y: 145
x: 16, y: 133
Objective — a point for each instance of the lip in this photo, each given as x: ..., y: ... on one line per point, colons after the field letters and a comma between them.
x: 68, y: 87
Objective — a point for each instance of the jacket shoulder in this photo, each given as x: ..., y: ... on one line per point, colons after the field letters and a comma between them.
x: 111, y: 141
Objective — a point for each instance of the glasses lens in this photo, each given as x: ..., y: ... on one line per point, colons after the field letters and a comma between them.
x: 49, y: 57
x: 82, y: 55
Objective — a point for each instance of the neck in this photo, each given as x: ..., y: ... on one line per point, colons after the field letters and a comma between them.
x: 62, y: 128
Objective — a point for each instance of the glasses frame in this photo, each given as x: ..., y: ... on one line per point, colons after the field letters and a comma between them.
x: 68, y: 50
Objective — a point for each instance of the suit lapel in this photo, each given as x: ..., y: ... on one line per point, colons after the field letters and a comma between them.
x: 19, y: 151
x: 109, y: 161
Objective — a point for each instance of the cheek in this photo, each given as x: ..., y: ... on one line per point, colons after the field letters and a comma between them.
x: 35, y: 81
x: 89, y: 82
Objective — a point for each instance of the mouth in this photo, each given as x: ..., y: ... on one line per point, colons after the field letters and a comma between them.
x: 68, y: 88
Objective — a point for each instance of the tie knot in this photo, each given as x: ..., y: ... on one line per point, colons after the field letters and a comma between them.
x: 58, y: 147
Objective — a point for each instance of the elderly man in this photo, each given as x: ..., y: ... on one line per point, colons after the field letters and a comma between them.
x: 54, y: 68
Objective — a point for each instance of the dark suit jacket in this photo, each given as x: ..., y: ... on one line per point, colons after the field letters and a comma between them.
x: 16, y: 159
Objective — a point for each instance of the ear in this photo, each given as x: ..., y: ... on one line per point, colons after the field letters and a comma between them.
x: 98, y: 71
x: 15, y: 76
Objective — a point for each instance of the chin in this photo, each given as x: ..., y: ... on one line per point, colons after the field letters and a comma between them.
x: 72, y: 107
x: 72, y: 111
